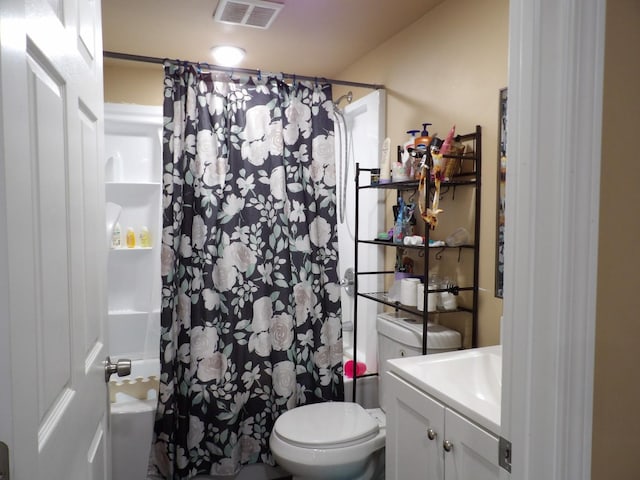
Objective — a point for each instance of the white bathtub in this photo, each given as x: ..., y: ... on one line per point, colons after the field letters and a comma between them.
x: 133, y: 408
x: 367, y: 391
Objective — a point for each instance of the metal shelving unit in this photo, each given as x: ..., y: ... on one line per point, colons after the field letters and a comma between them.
x: 470, y: 176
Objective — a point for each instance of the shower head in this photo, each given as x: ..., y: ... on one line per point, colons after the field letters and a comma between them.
x: 348, y: 96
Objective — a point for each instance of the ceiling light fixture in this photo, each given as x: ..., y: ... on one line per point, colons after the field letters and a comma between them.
x: 227, y: 56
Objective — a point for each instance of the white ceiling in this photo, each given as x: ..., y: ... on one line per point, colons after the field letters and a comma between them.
x: 308, y: 37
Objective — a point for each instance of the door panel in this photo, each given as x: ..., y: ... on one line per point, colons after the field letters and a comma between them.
x: 96, y: 455
x: 88, y: 18
x: 48, y: 167
x: 91, y: 234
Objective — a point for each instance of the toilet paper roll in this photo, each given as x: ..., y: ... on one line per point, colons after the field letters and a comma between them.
x: 408, y: 291
x: 420, y: 296
x: 432, y: 301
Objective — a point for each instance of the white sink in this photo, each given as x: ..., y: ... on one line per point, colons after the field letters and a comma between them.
x: 469, y: 381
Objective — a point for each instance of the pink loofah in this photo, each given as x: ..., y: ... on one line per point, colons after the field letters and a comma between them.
x: 348, y: 369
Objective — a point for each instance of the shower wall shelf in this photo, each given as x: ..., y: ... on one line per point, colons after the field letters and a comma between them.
x: 469, y: 177
x: 134, y: 249
x: 133, y: 169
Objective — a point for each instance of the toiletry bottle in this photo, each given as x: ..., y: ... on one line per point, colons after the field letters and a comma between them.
x: 398, y: 229
x: 408, y: 146
x: 145, y: 239
x: 397, y: 171
x: 448, y: 298
x: 433, y: 298
x: 131, y: 238
x: 424, y: 140
x: 116, y: 236
x: 385, y: 165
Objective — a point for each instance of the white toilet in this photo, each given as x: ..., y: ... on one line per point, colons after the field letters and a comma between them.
x: 342, y: 440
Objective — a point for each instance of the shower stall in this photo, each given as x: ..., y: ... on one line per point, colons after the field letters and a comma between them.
x: 364, y: 133
x: 133, y: 192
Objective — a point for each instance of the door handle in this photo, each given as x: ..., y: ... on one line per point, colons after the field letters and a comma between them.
x: 348, y: 281
x: 121, y: 367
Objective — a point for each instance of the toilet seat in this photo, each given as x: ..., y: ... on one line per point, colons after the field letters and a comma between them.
x: 326, y: 425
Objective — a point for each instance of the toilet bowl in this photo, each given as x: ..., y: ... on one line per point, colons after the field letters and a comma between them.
x: 333, y: 440
x: 342, y: 440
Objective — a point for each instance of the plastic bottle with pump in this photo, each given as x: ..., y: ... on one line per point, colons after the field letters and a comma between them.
x: 422, y: 142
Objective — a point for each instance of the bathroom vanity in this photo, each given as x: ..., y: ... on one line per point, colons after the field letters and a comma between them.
x: 443, y: 417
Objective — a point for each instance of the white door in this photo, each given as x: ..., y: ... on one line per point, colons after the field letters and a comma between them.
x: 53, y: 400
x: 365, y: 119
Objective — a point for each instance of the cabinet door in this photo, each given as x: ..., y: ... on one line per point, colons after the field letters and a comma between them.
x: 410, y: 452
x: 474, y: 454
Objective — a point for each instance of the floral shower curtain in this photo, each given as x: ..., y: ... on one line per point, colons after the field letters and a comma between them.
x: 250, y: 299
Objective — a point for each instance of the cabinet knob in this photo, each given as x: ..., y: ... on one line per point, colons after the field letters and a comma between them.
x: 431, y: 434
x: 447, y: 445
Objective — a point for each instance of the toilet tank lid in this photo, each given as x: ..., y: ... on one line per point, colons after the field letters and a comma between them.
x: 407, y: 329
x: 329, y: 424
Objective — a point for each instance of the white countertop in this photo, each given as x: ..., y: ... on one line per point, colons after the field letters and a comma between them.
x: 468, y: 381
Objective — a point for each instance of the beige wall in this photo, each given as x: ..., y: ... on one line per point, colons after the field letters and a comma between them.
x: 129, y: 82
x: 616, y: 421
x: 448, y: 68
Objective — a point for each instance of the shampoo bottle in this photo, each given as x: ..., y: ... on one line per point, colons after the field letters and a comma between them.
x: 116, y: 236
x: 131, y: 238
x: 145, y: 239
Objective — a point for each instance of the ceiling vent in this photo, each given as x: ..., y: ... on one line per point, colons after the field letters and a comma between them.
x: 250, y: 13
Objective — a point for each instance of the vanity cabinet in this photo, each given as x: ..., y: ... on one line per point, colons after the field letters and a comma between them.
x: 427, y: 440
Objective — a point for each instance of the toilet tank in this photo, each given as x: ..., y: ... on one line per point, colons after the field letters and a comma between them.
x: 400, y: 335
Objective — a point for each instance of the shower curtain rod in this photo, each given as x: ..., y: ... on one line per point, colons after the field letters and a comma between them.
x: 247, y: 71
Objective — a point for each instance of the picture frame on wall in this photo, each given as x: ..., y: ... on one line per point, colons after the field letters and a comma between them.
x: 500, y: 204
